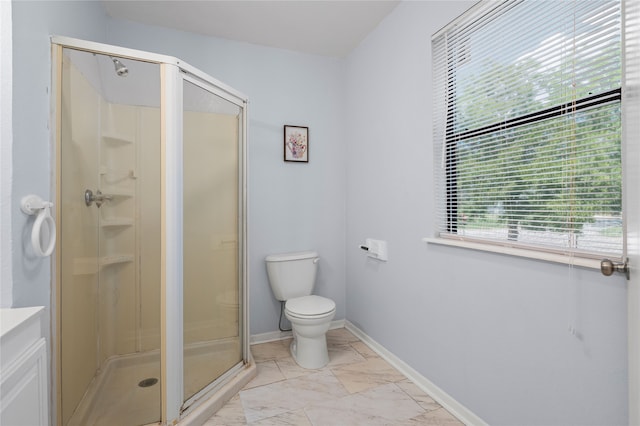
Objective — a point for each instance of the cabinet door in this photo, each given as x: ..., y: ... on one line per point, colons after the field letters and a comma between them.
x: 23, y: 389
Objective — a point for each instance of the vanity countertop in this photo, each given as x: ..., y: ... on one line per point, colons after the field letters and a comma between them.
x: 13, y: 319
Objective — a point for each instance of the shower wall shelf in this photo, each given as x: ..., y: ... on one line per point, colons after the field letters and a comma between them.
x: 116, y: 222
x: 115, y: 259
x: 116, y: 140
x: 119, y: 192
x: 111, y: 178
x: 91, y: 265
x: 105, y: 170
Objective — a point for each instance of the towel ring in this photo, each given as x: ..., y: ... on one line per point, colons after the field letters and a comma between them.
x: 34, y: 205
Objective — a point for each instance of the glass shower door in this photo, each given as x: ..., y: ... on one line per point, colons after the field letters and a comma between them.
x: 211, y: 230
x: 109, y: 310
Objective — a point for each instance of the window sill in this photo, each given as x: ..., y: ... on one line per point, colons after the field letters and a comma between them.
x: 513, y: 251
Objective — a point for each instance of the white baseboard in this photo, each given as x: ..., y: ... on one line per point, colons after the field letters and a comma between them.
x: 281, y: 335
x: 461, y: 412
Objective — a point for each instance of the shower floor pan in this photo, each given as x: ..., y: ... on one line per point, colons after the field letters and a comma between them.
x: 125, y: 393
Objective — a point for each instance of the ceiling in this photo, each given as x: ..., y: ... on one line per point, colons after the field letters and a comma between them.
x: 329, y: 28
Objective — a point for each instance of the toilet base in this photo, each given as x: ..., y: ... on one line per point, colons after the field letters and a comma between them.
x: 309, y: 346
x: 310, y: 353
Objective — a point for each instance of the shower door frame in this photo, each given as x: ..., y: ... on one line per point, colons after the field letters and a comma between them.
x: 172, y: 73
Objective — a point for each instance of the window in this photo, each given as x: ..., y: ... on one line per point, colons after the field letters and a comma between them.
x: 527, y: 126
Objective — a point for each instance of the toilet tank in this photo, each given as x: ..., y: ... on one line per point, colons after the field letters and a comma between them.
x: 292, y: 274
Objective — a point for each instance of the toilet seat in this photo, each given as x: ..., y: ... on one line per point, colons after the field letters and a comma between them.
x: 310, y: 307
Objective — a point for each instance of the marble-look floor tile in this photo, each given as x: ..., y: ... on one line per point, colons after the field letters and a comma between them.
x: 356, y: 388
x: 340, y: 336
x: 424, y: 400
x: 231, y: 414
x: 364, y: 350
x: 290, y: 368
x: 291, y: 418
x: 366, y: 375
x: 271, y: 350
x: 439, y: 417
x: 293, y: 394
x: 268, y: 372
x: 343, y: 354
x: 382, y: 405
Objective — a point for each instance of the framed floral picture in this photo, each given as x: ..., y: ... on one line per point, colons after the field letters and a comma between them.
x: 296, y: 144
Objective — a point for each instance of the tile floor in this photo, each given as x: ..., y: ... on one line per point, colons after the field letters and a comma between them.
x: 356, y: 388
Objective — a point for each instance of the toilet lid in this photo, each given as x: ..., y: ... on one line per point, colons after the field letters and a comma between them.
x: 310, y: 305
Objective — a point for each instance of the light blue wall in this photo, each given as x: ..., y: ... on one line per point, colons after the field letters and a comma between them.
x: 292, y: 206
x: 6, y: 154
x: 490, y: 330
x: 33, y: 24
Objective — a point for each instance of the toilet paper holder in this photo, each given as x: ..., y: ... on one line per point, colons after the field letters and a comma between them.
x: 376, y: 249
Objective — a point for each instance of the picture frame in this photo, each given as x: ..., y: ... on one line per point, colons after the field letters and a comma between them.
x: 296, y: 144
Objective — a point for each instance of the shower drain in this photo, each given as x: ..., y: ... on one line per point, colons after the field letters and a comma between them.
x: 148, y: 382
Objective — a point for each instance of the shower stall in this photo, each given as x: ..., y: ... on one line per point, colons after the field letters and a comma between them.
x: 150, y: 292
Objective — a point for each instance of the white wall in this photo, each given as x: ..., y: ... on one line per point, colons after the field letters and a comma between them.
x: 490, y: 330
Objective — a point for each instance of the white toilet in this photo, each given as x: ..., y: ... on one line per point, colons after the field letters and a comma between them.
x: 292, y: 276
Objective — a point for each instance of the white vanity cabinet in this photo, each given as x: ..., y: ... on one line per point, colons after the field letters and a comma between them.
x: 24, y: 398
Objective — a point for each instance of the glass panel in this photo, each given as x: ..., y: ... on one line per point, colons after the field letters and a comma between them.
x: 110, y: 240
x: 211, y: 220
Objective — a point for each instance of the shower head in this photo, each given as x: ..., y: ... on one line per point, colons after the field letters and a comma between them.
x: 121, y: 70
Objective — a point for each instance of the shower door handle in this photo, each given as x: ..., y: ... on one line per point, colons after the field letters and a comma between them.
x: 98, y: 197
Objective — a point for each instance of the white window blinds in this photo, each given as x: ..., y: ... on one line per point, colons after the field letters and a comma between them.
x: 527, y: 127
